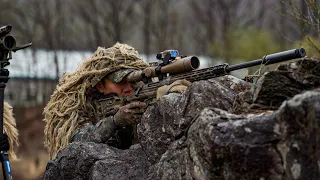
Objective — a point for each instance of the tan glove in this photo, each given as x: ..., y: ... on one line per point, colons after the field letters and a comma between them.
x: 178, y: 86
x: 130, y: 114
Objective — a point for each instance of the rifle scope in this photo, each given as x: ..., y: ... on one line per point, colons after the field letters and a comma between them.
x: 7, y: 43
x: 178, y: 66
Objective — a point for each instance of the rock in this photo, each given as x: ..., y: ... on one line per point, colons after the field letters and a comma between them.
x: 168, y: 119
x: 273, y: 145
x: 290, y: 79
x: 197, y: 135
x: 97, y: 161
x: 233, y: 83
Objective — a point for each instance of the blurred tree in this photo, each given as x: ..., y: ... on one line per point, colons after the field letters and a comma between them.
x: 217, y: 19
x: 105, y: 21
x: 306, y: 15
x: 250, y: 44
x: 227, y: 9
x: 283, y: 22
x: 164, y: 25
x: 6, y: 7
x: 147, y: 7
x: 237, y: 14
x: 312, y: 49
x: 205, y: 19
x: 304, y: 12
x: 47, y: 20
x: 25, y: 24
x: 254, y: 43
x: 190, y: 26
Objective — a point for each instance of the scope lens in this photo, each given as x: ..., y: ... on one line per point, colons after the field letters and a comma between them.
x: 195, y: 62
x: 9, y: 42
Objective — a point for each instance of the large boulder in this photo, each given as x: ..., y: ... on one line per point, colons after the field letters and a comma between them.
x: 273, y: 145
x: 169, y: 118
x: 97, y: 161
x: 273, y: 87
x: 291, y: 78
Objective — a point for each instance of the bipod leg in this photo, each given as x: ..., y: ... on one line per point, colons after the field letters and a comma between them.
x: 7, y: 175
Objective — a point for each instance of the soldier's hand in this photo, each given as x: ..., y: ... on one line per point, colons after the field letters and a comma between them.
x: 129, y: 114
x: 178, y: 87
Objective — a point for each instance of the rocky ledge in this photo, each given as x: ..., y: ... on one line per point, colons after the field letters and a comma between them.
x: 218, y: 129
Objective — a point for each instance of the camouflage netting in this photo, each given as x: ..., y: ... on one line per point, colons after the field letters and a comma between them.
x: 69, y: 108
x: 10, y: 128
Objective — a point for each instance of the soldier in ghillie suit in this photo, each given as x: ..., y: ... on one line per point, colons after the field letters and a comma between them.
x: 10, y: 136
x: 72, y: 114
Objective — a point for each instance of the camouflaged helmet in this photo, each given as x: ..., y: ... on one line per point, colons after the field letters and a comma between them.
x: 117, y: 76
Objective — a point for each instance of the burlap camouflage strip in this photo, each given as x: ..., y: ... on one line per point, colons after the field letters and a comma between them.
x: 70, y: 107
x: 10, y: 128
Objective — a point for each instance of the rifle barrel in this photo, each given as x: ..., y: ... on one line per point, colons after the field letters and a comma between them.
x: 270, y: 59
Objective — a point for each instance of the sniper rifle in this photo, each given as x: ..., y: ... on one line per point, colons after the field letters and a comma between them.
x: 175, y: 68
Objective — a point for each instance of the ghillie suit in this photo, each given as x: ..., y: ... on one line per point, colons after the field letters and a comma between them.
x: 9, y: 127
x: 70, y: 107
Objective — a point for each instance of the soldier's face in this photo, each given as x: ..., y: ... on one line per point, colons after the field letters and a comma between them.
x: 122, y: 88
